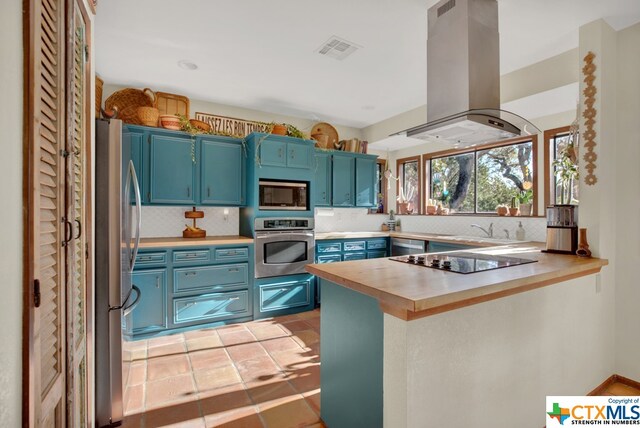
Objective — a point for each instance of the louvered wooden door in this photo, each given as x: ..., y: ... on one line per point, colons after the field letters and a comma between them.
x: 47, y: 226
x: 77, y: 212
x: 55, y: 369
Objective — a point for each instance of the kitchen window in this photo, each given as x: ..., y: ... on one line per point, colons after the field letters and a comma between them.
x: 477, y: 181
x: 561, y: 168
x: 409, y: 185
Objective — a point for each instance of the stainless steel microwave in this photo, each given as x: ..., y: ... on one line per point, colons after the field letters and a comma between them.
x: 284, y: 195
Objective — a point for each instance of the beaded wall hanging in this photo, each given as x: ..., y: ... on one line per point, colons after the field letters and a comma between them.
x: 589, y: 115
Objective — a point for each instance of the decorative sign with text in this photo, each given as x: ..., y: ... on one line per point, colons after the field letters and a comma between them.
x: 231, y: 125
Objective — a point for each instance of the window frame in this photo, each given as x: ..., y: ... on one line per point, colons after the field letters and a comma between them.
x: 427, y: 157
x: 549, y: 156
x: 400, y: 163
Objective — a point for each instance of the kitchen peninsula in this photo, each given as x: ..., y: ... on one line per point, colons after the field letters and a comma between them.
x: 409, y: 346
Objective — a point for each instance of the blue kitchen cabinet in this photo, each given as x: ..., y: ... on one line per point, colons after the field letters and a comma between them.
x: 437, y: 247
x: 173, y: 170
x: 299, y: 155
x: 137, y: 146
x: 322, y: 188
x: 366, y: 181
x: 273, y: 153
x: 283, y: 295
x: 343, y: 180
x: 221, y: 172
x: 150, y: 314
x: 211, y: 307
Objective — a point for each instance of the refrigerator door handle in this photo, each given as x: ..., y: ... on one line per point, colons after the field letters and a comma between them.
x: 136, y: 188
x: 130, y: 307
x: 125, y: 305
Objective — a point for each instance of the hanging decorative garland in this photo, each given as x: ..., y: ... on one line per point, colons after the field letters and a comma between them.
x: 589, y: 115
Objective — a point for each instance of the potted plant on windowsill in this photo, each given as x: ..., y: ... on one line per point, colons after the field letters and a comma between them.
x: 514, y: 209
x: 525, y: 197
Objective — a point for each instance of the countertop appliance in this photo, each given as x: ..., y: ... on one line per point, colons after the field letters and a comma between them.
x: 402, y: 246
x: 283, y: 246
x: 118, y: 220
x: 562, y: 229
x: 462, y: 262
x: 283, y: 195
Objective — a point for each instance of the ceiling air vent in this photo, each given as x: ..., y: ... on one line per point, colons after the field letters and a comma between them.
x: 446, y: 7
x: 337, y: 48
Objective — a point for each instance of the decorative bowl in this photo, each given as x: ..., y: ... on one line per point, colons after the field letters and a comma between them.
x: 170, y: 121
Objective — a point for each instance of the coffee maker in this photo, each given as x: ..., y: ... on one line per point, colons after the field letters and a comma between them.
x: 562, y: 229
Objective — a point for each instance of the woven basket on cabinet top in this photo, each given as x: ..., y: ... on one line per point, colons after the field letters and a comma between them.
x: 127, y: 102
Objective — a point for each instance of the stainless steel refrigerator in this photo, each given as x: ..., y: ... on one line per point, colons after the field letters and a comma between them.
x: 117, y: 223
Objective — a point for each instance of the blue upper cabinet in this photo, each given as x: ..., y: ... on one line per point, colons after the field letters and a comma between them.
x: 285, y: 154
x: 299, y: 155
x: 343, y: 180
x: 365, y: 181
x: 173, y: 168
x: 137, y: 146
x: 322, y: 176
x: 273, y: 153
x: 222, y: 172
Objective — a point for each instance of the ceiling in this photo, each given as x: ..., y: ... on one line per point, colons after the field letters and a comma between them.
x: 263, y: 54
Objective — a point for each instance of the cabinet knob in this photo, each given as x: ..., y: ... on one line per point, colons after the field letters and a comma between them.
x: 208, y: 191
x: 157, y: 282
x: 188, y: 192
x: 280, y: 152
x: 293, y: 154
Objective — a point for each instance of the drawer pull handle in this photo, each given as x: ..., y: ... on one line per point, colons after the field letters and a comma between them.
x: 234, y: 298
x: 145, y: 259
x: 234, y: 270
x: 190, y: 256
x: 157, y: 282
x: 190, y: 273
x: 284, y: 289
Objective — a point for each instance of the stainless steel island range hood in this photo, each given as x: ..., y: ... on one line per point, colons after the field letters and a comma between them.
x: 463, y: 77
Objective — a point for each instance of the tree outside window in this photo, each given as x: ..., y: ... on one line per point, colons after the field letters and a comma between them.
x: 565, y: 170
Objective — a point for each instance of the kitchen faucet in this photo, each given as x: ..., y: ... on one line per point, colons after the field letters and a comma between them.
x: 488, y: 232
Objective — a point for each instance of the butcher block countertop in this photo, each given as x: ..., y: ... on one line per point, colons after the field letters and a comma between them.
x: 191, y: 242
x: 410, y: 292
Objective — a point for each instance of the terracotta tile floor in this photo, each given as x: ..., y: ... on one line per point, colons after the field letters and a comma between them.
x: 263, y: 373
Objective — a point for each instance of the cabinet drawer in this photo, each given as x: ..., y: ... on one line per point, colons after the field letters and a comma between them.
x: 355, y: 246
x: 231, y: 254
x: 191, y: 256
x: 146, y: 259
x: 212, y: 278
x: 210, y: 306
x: 376, y: 254
x: 329, y: 247
x: 285, y: 295
x: 354, y: 256
x: 331, y: 258
x: 378, y: 244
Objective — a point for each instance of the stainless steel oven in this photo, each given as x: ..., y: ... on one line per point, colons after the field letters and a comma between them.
x: 284, y: 195
x: 283, y: 246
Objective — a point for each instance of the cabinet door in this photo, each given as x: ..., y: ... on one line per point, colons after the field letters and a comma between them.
x: 365, y: 182
x: 299, y: 155
x: 151, y: 312
x: 322, y: 190
x: 222, y: 168
x: 343, y: 180
x: 273, y: 153
x: 172, y: 170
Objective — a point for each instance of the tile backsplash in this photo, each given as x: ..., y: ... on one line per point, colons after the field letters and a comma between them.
x: 163, y: 222
x: 352, y: 219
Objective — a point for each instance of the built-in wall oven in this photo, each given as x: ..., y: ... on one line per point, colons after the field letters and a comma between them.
x: 283, y: 246
x: 284, y: 195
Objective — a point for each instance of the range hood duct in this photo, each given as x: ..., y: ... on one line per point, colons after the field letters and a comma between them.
x: 463, y: 77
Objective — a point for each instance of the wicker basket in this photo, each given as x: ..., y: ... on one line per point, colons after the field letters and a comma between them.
x: 99, y: 84
x: 148, y: 116
x: 203, y: 126
x: 127, y: 101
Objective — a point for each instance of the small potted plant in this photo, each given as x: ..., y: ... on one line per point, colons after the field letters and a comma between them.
x: 431, y: 207
x: 502, y: 210
x: 514, y: 209
x: 525, y: 198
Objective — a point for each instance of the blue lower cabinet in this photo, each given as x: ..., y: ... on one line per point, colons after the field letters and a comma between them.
x: 150, y: 314
x: 283, y: 295
x: 377, y: 254
x: 329, y: 258
x: 210, y: 307
x: 354, y: 256
x: 210, y: 278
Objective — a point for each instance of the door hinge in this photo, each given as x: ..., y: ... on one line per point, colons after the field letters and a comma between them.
x: 36, y: 293
x: 86, y: 251
x: 86, y: 53
x: 64, y: 153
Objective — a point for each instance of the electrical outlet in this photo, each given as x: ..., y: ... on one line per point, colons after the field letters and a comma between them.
x: 598, y: 283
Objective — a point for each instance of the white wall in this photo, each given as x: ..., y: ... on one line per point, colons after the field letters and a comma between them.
x: 11, y: 213
x: 627, y: 205
x: 464, y: 367
x: 344, y: 132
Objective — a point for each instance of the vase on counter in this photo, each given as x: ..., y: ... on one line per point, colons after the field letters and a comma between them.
x: 583, y: 245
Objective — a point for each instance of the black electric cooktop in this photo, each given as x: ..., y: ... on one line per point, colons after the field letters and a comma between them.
x: 461, y: 262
